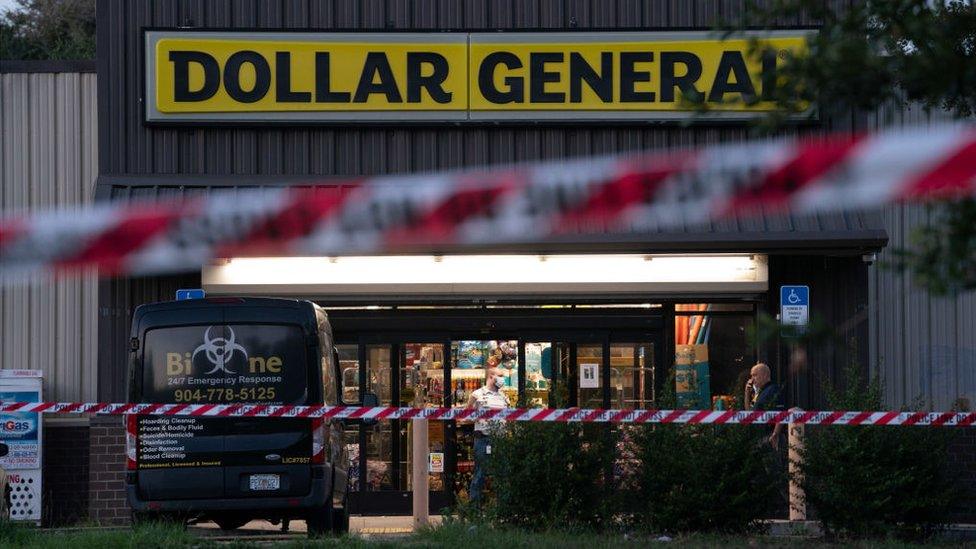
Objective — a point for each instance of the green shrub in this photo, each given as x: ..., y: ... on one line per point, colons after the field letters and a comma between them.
x: 705, y: 478
x: 551, y: 475
x: 876, y: 481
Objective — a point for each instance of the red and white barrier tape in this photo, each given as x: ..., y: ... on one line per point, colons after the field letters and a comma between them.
x: 531, y: 203
x: 572, y: 415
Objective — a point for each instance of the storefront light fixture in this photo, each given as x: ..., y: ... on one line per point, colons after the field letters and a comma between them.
x: 605, y: 273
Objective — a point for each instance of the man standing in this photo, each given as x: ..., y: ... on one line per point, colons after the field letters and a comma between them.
x: 489, y: 396
x: 766, y: 396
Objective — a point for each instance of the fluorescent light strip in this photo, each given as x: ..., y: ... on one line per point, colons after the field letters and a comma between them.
x: 487, y: 269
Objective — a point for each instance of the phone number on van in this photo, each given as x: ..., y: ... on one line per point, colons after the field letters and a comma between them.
x: 217, y: 394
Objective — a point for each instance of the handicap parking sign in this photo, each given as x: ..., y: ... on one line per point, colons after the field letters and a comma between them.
x: 794, y: 305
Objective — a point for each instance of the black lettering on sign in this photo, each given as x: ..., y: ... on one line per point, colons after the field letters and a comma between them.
x: 377, y: 64
x: 580, y: 71
x: 732, y: 65
x: 486, y: 79
x: 433, y: 83
x: 283, y: 91
x: 768, y: 74
x: 629, y: 76
x: 232, y: 76
x: 539, y: 76
x: 181, y: 75
x: 323, y: 82
x: 685, y: 83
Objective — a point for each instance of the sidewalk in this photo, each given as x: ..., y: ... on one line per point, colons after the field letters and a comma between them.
x: 385, y: 525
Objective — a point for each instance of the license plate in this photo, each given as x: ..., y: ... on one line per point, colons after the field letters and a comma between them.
x: 265, y: 482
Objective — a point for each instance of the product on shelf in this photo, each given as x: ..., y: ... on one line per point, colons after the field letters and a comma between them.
x: 470, y: 355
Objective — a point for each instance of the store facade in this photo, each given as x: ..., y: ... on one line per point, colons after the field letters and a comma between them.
x: 209, y: 96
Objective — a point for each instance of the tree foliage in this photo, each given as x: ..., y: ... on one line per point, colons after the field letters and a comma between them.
x: 48, y: 29
x: 943, y: 253
x: 874, y: 53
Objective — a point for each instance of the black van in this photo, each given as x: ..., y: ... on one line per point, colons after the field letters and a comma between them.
x: 232, y: 470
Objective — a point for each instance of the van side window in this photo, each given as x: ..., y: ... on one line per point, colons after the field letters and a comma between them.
x: 328, y: 377
x: 329, y: 391
x: 349, y: 373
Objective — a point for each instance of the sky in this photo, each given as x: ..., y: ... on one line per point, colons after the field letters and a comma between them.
x: 4, y: 4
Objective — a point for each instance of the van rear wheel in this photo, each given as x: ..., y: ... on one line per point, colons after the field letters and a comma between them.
x: 228, y: 523
x: 319, y: 521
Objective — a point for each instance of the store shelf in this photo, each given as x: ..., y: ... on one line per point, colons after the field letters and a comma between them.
x: 458, y: 373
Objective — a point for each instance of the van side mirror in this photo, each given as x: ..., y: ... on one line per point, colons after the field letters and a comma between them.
x: 370, y: 400
x: 4, y: 449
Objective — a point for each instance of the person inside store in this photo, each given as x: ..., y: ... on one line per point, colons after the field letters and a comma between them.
x: 489, y: 396
x: 763, y: 394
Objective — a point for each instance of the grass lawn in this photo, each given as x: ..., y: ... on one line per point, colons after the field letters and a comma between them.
x: 451, y: 536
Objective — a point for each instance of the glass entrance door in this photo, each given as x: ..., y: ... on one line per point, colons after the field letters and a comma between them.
x: 471, y: 360
x: 586, y: 370
x: 423, y: 384
x: 590, y: 386
x: 402, y: 373
x: 633, y: 374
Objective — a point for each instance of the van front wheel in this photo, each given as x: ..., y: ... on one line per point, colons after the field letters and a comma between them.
x: 340, y: 519
x: 319, y: 521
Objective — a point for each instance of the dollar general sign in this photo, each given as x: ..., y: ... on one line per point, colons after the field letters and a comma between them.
x: 302, y: 77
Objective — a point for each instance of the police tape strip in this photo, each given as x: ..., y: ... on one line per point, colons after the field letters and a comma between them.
x: 539, y: 203
x: 563, y: 415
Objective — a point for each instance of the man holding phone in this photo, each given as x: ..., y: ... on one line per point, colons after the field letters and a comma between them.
x: 763, y: 394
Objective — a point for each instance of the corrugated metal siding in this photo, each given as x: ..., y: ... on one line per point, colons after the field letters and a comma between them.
x: 923, y: 347
x: 48, y: 157
x: 838, y: 299
x: 850, y: 233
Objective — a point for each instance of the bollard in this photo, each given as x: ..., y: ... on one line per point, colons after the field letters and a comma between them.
x: 420, y: 478
x: 798, y: 504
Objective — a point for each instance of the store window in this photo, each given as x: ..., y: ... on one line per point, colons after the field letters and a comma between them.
x: 538, y: 374
x: 632, y: 369
x: 349, y: 372
x: 379, y: 438
x: 422, y: 386
x: 589, y: 362
x: 712, y: 354
x: 471, y: 360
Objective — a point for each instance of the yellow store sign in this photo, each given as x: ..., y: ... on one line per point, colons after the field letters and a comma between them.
x: 308, y: 77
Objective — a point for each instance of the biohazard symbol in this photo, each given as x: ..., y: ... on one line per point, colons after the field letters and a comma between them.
x: 219, y: 350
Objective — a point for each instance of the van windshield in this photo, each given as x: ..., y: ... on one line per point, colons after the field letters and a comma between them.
x: 226, y: 363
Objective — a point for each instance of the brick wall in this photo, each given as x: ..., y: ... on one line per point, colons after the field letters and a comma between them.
x: 106, y: 477
x: 65, y: 470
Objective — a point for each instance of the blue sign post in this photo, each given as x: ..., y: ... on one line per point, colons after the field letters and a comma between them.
x: 794, y: 306
x: 196, y: 293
